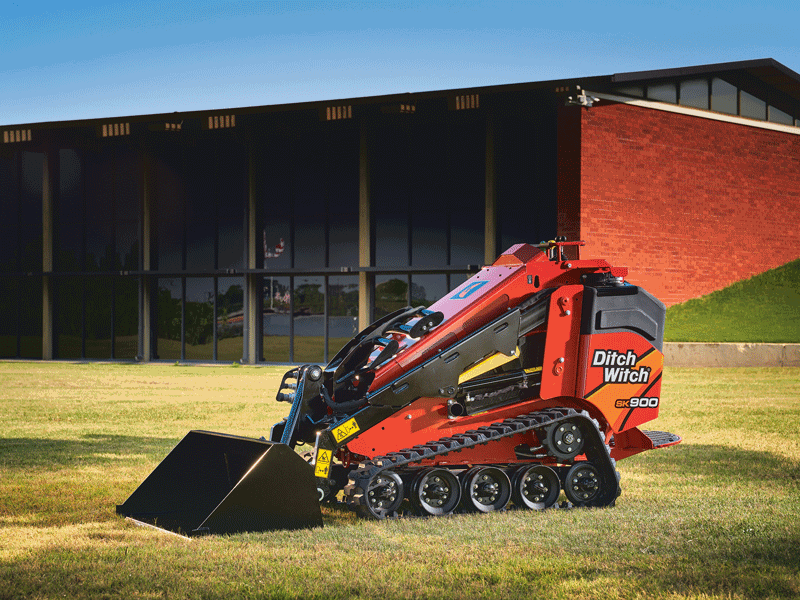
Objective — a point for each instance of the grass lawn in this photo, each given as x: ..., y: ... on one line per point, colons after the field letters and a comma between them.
x: 715, y: 517
x: 764, y: 308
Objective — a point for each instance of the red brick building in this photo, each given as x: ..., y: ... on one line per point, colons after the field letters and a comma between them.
x: 274, y: 232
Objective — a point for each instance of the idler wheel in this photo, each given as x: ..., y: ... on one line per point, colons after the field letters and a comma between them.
x: 383, y: 495
x: 535, y: 487
x: 582, y: 484
x: 565, y: 440
x: 435, y: 492
x: 486, y: 489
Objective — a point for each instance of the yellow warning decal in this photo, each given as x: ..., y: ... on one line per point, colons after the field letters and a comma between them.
x: 533, y: 370
x: 323, y: 463
x: 345, y: 430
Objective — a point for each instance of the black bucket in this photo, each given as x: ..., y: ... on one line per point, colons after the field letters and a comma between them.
x: 217, y: 483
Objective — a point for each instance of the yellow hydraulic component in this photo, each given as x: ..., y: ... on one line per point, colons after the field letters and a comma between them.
x: 487, y: 364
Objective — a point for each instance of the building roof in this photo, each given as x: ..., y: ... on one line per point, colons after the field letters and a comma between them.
x: 776, y: 83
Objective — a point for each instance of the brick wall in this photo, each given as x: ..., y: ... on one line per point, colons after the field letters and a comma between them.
x: 690, y: 205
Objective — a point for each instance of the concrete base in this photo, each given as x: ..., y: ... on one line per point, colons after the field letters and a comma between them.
x: 698, y: 354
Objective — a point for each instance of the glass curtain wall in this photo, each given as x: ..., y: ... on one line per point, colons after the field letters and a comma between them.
x: 21, y: 247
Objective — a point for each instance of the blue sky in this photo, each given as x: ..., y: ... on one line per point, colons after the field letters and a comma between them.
x: 65, y: 61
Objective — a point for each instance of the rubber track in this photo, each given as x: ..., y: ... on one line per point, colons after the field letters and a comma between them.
x: 596, y: 451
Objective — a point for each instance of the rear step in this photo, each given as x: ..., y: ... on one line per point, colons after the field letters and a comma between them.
x: 661, y: 439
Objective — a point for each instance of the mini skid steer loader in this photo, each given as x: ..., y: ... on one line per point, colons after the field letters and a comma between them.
x: 529, y: 379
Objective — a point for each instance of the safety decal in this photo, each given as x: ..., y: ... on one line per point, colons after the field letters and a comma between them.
x: 469, y: 290
x: 323, y: 463
x: 345, y: 430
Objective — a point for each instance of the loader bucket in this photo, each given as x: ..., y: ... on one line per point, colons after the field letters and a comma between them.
x: 217, y: 483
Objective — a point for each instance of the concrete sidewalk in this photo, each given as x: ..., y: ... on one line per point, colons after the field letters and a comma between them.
x: 698, y: 354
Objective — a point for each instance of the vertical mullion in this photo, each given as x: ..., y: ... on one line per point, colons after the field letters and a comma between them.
x: 214, y: 320
x: 325, y: 314
x: 183, y: 316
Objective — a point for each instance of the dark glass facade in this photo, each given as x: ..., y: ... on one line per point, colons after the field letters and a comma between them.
x: 251, y: 243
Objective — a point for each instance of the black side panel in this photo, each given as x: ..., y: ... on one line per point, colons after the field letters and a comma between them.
x: 623, y: 308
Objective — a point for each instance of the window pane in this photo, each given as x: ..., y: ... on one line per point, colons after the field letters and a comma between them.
x: 275, y: 244
x: 752, y: 107
x: 30, y: 317
x: 391, y: 240
x: 230, y: 318
x: 199, y: 322
x: 126, y: 317
x: 200, y: 245
x: 343, y: 240
x: 70, y: 199
x: 309, y: 243
x: 99, y: 243
x: 30, y: 205
x: 127, y: 192
x: 277, y: 296
x: 169, y: 319
x: 9, y: 252
x: 9, y: 321
x: 631, y: 91
x: 342, y: 312
x: 427, y: 289
x: 68, y: 249
x: 30, y: 238
x: 9, y: 183
x: 69, y: 295
x: 127, y: 235
x: 694, y: 92
x: 778, y: 116
x: 391, y: 294
x: 168, y: 213
x: 723, y: 96
x: 98, y: 317
x: 309, y: 324
x: 664, y: 92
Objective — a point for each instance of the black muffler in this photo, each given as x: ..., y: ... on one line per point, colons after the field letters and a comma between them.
x: 213, y: 483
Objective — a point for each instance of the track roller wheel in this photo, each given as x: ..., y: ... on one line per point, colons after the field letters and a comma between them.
x: 582, y: 484
x: 383, y: 495
x: 486, y: 489
x: 535, y: 487
x: 565, y: 440
x: 435, y: 492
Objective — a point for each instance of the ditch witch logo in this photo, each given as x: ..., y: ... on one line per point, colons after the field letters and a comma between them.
x: 618, y: 368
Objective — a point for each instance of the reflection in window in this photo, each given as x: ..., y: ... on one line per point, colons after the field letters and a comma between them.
x: 230, y: 318
x: 694, y: 92
x: 342, y: 312
x: 199, y: 318
x: 169, y: 319
x: 275, y: 244
x: 752, y: 107
x: 664, y: 92
x: 391, y: 294
x: 309, y: 319
x: 276, y: 318
x: 723, y: 96
x: 427, y: 289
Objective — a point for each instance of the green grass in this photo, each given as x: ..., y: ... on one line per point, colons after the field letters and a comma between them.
x: 764, y: 308
x: 715, y: 517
